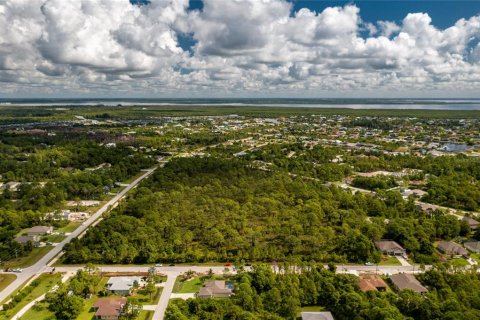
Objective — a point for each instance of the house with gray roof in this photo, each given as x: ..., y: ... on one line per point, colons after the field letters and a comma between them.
x: 403, y: 281
x: 472, y: 245
x: 452, y: 249
x: 40, y: 231
x: 122, y: 285
x: 391, y: 248
x: 321, y: 315
x: 25, y: 239
x: 472, y: 223
x: 216, y: 289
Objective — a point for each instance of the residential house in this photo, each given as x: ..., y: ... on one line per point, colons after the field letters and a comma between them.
x: 473, y: 224
x: 390, y: 247
x: 321, y: 315
x: 417, y: 193
x: 216, y: 289
x: 426, y: 207
x: 109, y: 308
x: 122, y: 285
x: 25, y: 239
x: 403, y: 281
x: 40, y: 231
x: 372, y: 282
x: 74, y: 216
x: 472, y: 245
x: 452, y: 249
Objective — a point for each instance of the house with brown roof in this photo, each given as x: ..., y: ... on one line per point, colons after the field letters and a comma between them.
x: 391, y: 248
x: 216, y: 289
x: 472, y: 223
x: 403, y: 281
x: 426, y: 207
x: 452, y: 249
x: 39, y: 231
x: 371, y: 282
x: 109, y: 308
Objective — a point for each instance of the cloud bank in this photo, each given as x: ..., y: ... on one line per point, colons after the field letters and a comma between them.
x: 241, y: 47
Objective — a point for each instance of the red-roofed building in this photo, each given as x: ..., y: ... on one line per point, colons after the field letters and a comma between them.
x: 372, y: 282
x: 109, y: 308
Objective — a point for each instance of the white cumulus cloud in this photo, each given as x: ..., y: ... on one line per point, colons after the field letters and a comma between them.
x: 240, y: 46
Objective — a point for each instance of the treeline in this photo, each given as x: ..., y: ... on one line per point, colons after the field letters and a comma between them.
x: 454, y: 181
x: 210, y: 209
x: 43, y: 158
x: 314, y: 162
x: 262, y: 294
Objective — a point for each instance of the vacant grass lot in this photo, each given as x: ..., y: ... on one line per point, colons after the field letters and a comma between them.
x: 39, y: 312
x: 28, y: 260
x: 6, y: 279
x: 70, y: 227
x: 45, y: 283
x: 389, y: 261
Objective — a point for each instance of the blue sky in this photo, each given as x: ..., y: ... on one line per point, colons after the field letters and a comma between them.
x: 240, y: 48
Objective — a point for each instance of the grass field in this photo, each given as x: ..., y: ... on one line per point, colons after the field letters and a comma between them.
x: 55, y: 238
x: 6, y: 279
x: 145, y: 299
x: 459, y: 262
x: 69, y: 227
x: 28, y: 260
x: 190, y: 286
x: 39, y: 312
x: 46, y: 282
x: 389, y: 261
x: 145, y: 315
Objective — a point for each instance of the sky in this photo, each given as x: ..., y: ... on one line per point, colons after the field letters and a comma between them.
x: 239, y: 48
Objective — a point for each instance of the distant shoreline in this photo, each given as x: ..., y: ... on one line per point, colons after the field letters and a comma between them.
x: 393, y: 104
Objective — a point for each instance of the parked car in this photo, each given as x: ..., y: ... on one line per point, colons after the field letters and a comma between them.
x: 159, y: 265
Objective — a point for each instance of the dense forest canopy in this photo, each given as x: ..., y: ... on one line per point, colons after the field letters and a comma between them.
x: 213, y: 209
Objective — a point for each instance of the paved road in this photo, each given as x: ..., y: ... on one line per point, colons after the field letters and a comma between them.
x: 41, y: 265
x: 165, y: 297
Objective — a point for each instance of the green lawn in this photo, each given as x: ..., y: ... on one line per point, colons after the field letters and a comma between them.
x: 145, y: 315
x: 6, y: 279
x: 55, y: 238
x: 70, y: 227
x: 45, y: 283
x: 28, y: 260
x: 39, y: 312
x: 145, y: 299
x: 460, y: 262
x: 190, y: 286
x: 389, y: 261
x: 87, y: 313
x: 475, y: 256
x: 193, y: 285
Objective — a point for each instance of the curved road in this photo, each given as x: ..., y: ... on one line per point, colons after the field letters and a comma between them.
x: 41, y: 265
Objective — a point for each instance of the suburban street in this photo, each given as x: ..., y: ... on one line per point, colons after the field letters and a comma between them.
x: 166, y: 293
x: 41, y: 265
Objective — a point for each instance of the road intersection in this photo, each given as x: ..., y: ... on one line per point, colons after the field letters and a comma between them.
x: 41, y: 265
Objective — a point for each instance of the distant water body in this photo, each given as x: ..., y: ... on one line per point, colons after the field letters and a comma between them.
x: 425, y: 104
